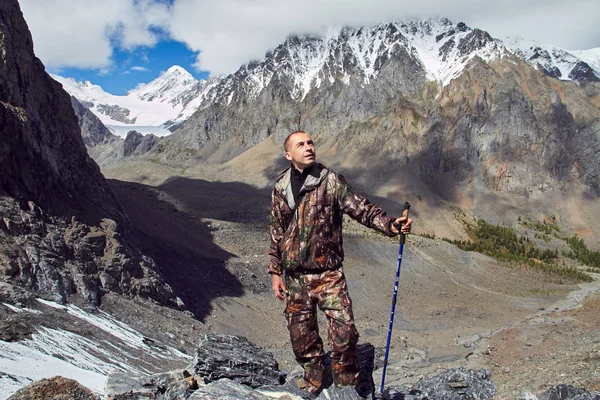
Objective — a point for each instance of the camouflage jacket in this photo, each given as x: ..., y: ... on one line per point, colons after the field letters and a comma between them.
x: 312, y: 237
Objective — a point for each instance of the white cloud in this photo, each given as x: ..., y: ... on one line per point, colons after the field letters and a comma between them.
x: 83, y: 33
x: 140, y: 69
x: 229, y: 33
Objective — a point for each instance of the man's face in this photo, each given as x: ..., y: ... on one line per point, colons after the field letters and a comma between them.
x: 301, y: 150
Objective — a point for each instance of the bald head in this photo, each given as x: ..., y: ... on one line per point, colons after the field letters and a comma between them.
x: 286, y: 142
x: 300, y: 150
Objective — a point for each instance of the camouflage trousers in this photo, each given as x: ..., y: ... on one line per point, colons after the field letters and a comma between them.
x: 329, y: 292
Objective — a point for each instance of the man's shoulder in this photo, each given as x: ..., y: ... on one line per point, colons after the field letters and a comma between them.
x: 282, y: 179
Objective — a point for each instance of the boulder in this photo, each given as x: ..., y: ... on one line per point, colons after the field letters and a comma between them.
x: 57, y: 388
x: 234, y: 357
x: 178, y: 384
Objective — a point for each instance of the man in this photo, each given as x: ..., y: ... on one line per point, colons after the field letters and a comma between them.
x: 306, y: 243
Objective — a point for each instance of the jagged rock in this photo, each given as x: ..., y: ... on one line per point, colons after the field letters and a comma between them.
x: 567, y: 392
x: 57, y: 388
x: 234, y: 357
x: 455, y: 384
x: 278, y: 391
x: 136, y: 144
x: 177, y: 384
x: 93, y: 131
x: 582, y: 72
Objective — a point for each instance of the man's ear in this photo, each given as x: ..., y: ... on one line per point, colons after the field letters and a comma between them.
x: 287, y: 155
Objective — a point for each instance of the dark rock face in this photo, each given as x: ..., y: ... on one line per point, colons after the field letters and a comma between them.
x: 234, y: 357
x: 93, y: 131
x: 136, y: 144
x: 62, y: 230
x: 582, y: 72
x: 54, y: 388
x: 43, y: 158
x: 56, y: 257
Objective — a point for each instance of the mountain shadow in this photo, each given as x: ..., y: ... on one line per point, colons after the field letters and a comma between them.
x: 169, y: 223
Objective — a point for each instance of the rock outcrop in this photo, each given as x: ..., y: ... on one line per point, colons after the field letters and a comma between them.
x: 62, y: 230
x: 240, y: 380
x: 93, y: 131
x: 235, y: 358
x: 136, y: 144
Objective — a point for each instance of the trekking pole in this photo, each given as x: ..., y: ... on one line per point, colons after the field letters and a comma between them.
x: 389, y: 337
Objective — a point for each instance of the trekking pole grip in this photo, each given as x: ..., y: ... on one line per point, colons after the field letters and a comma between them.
x: 399, y: 226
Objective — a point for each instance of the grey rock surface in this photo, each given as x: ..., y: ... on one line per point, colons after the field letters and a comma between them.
x: 116, y: 112
x: 455, y: 384
x: 169, y: 385
x: 235, y: 358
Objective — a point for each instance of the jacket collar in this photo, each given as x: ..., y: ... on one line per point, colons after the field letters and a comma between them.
x: 317, y: 174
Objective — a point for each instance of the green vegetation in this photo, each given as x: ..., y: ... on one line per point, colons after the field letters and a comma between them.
x: 502, y: 243
x: 581, y: 252
x: 546, y: 227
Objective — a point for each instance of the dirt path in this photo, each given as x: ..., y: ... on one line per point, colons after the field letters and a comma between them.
x: 558, y: 344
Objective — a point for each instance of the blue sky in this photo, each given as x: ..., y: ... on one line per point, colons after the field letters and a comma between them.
x: 119, y: 44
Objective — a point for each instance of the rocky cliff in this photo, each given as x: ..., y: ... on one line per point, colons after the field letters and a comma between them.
x: 62, y: 231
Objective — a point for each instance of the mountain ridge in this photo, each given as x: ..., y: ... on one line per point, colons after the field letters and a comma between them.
x: 443, y: 48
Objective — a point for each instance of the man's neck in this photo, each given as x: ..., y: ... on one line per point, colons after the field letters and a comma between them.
x: 300, y: 169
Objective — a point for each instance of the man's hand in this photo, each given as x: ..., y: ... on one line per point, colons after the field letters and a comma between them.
x: 278, y: 287
x: 405, y: 225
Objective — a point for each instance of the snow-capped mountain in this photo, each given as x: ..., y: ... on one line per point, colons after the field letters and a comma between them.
x: 302, y: 64
x: 441, y: 48
x: 306, y: 63
x: 557, y: 63
x: 148, y: 105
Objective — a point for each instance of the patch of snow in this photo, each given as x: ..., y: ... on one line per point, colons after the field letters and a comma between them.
x: 21, y: 309
x: 47, y: 354
x: 591, y: 56
x: 50, y: 352
x: 548, y: 57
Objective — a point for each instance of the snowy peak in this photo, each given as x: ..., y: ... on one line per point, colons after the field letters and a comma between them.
x: 151, y: 104
x: 556, y: 62
x: 445, y: 49
x: 170, y: 86
x: 304, y: 63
